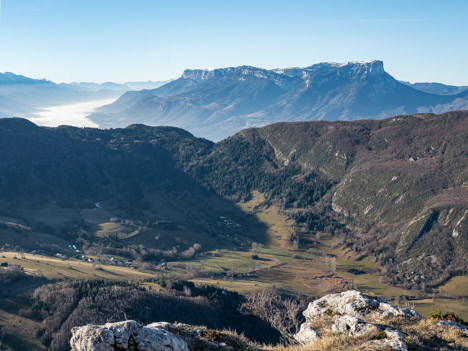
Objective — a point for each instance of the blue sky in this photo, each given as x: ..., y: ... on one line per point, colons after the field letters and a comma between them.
x: 116, y: 40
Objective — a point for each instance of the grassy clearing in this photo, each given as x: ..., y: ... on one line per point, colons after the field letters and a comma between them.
x: 54, y: 269
x: 237, y: 261
x: 108, y: 228
x: 282, y: 255
x: 457, y: 286
x: 278, y: 227
x: 370, y: 281
x: 424, y: 307
x: 240, y: 286
x: 296, y: 275
x: 299, y: 274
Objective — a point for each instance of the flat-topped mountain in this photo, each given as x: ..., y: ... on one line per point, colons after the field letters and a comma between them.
x: 216, y: 103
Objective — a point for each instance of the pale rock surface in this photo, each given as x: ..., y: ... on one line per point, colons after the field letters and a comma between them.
x: 395, y: 340
x: 128, y: 335
x: 345, y: 312
x: 352, y: 326
x: 306, y: 334
x: 353, y: 303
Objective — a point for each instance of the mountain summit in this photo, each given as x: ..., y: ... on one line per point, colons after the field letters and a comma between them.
x: 216, y: 103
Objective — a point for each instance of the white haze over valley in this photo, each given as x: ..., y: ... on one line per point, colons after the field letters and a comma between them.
x: 72, y: 115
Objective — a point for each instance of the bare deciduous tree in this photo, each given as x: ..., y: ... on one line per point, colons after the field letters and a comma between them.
x: 331, y: 264
x: 281, y: 314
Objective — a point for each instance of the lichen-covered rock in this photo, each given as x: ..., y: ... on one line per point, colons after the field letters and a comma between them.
x: 352, y: 326
x: 306, y: 334
x: 353, y: 303
x: 128, y: 335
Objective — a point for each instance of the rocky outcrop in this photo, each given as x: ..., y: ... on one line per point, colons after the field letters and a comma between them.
x: 128, y: 335
x: 159, y: 336
x: 353, y: 303
x: 307, y: 334
x: 342, y: 322
x: 354, y: 314
x: 351, y: 326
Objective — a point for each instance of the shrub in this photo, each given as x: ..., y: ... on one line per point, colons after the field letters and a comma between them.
x: 448, y: 316
x: 379, y: 336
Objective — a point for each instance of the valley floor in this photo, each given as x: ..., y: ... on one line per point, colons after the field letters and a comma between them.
x: 276, y: 264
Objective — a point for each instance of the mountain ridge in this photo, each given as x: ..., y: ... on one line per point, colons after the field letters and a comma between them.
x: 11, y: 78
x: 214, y: 103
x: 437, y: 88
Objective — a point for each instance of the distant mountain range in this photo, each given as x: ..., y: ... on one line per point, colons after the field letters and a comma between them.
x: 216, y: 103
x: 23, y: 96
x: 437, y: 88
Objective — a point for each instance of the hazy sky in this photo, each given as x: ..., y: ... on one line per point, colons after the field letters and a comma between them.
x: 116, y: 40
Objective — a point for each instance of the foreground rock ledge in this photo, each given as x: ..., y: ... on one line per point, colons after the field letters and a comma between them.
x: 346, y: 321
x: 344, y: 313
x: 128, y: 335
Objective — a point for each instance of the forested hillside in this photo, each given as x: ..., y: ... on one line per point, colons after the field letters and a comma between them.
x: 395, y: 189
x: 398, y: 185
